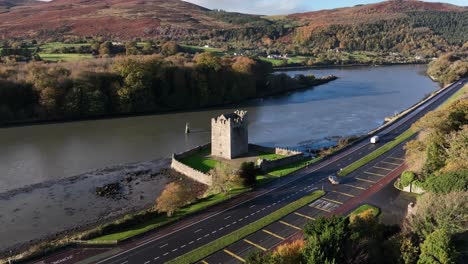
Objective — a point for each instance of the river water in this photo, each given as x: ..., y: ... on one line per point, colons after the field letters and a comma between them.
x: 354, y: 104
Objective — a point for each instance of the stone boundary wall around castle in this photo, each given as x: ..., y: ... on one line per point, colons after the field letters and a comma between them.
x: 292, y: 156
x: 189, y: 171
x: 268, y: 165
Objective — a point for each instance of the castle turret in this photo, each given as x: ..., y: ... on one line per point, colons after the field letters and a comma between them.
x: 229, y: 135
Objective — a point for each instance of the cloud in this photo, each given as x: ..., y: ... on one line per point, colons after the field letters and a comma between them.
x: 266, y: 7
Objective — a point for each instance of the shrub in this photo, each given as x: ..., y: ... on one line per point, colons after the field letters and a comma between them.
x: 447, y: 182
x: 248, y: 173
x: 407, y: 178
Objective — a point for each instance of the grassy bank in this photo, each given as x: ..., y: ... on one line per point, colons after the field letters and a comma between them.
x: 200, y: 161
x: 377, y: 153
x: 365, y: 207
x: 163, y: 219
x: 460, y: 93
x: 226, y: 240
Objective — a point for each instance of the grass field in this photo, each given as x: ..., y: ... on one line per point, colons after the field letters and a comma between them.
x: 377, y: 153
x: 200, y: 161
x: 270, y: 156
x: 64, y: 57
x: 220, y: 243
x: 463, y: 91
x: 163, y: 219
x: 365, y: 207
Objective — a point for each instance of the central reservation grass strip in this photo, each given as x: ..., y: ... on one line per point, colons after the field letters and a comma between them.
x: 222, y: 242
x: 377, y: 153
x: 163, y: 219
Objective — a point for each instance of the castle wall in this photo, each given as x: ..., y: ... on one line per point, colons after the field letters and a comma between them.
x: 239, y: 141
x: 189, y: 171
x: 220, y: 136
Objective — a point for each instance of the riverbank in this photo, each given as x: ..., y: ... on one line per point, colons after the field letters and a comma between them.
x: 328, y: 66
x: 53, y: 209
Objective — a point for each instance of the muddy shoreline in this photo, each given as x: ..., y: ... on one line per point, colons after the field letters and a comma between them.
x: 53, y: 209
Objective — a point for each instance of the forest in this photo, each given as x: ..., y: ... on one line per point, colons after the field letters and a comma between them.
x: 136, y: 84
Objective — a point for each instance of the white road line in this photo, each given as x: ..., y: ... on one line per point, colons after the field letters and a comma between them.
x: 156, y: 258
x: 196, y: 231
x: 163, y: 246
x: 147, y: 262
x: 213, y: 232
x: 235, y: 222
x: 199, y: 238
x: 165, y: 254
x: 206, y: 235
x: 226, y: 218
x: 175, y: 249
x: 183, y: 246
x: 191, y: 242
x: 252, y: 206
x: 221, y: 228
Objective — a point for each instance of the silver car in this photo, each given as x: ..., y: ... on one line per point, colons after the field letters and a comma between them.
x: 333, y: 179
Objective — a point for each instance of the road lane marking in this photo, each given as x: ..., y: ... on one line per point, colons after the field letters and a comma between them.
x: 175, y: 249
x: 156, y: 258
x: 397, y: 158
x: 357, y: 187
x: 318, y: 208
x: 183, y: 246
x: 196, y: 231
x: 204, y: 262
x: 165, y: 254
x: 347, y: 194
x: 252, y: 206
x: 359, y: 179
x: 273, y: 234
x: 255, y: 245
x: 332, y: 201
x: 391, y: 163
x: 234, y: 255
x: 147, y: 262
x: 163, y: 246
x: 374, y: 174
x: 377, y: 167
x: 226, y: 218
x: 303, y: 215
x: 290, y: 225
x: 191, y: 242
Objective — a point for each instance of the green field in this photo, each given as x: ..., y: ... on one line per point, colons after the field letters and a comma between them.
x: 200, y: 161
x: 64, y: 57
x: 270, y: 156
x: 222, y: 242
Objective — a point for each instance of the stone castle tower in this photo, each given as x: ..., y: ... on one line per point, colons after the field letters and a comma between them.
x: 229, y: 135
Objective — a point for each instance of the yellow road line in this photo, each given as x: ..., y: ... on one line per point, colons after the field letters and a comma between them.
x: 318, y: 208
x: 255, y: 245
x: 364, y: 180
x: 330, y: 200
x: 347, y: 194
x: 204, y: 262
x: 273, y: 234
x: 305, y: 216
x: 383, y: 168
x: 290, y: 225
x: 397, y: 164
x: 397, y: 158
x: 234, y: 255
x: 375, y: 174
x: 357, y: 187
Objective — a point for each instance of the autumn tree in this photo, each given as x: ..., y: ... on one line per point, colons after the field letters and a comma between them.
x: 170, y: 48
x: 288, y: 252
x: 223, y: 177
x: 174, y: 196
x: 208, y: 60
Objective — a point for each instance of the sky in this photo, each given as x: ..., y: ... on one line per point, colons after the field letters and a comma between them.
x: 277, y: 7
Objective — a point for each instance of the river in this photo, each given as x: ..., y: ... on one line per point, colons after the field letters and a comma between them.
x: 354, y: 104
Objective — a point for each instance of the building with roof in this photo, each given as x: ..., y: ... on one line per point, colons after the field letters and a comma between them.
x: 229, y: 135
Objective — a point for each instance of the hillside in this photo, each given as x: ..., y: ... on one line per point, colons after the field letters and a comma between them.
x: 117, y: 19
x: 407, y: 27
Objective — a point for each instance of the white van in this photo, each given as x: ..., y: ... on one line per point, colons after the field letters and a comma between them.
x: 374, y: 139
